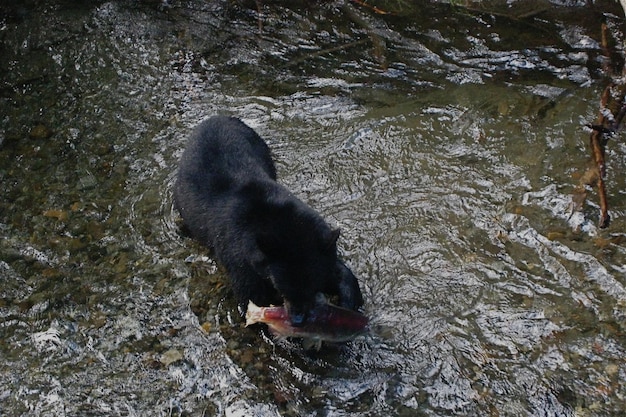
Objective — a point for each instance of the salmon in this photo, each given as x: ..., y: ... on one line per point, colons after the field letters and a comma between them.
x: 326, y: 322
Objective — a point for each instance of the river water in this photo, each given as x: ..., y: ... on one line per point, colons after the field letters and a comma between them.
x: 444, y: 141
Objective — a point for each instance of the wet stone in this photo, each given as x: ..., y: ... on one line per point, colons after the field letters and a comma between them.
x: 40, y: 132
x: 171, y: 356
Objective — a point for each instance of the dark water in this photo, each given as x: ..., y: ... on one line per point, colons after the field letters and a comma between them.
x: 444, y: 141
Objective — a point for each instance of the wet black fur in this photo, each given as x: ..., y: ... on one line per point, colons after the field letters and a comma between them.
x: 274, y: 247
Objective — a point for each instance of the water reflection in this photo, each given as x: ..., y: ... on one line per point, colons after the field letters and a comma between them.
x: 444, y: 142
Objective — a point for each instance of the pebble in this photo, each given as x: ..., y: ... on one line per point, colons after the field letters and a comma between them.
x: 171, y: 356
x: 40, y: 131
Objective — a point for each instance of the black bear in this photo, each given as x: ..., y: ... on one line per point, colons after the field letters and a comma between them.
x: 274, y: 247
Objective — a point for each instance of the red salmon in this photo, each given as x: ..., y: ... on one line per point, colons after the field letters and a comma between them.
x: 326, y: 322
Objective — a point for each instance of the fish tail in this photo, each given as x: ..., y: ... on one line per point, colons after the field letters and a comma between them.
x: 254, y: 313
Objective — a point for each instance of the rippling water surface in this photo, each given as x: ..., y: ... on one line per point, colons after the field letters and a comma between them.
x: 444, y: 141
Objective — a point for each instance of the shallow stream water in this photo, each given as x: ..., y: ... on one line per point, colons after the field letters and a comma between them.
x: 444, y: 140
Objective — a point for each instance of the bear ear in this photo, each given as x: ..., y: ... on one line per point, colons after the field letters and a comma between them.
x: 331, y: 239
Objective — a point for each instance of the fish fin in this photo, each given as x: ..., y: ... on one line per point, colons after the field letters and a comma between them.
x: 310, y: 343
x: 253, y: 313
x: 276, y: 336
